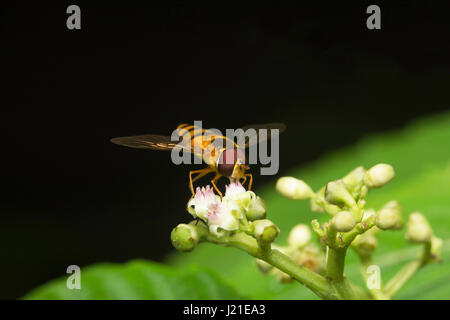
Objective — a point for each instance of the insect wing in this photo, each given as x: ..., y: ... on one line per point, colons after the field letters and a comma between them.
x: 146, y: 141
x: 257, y: 133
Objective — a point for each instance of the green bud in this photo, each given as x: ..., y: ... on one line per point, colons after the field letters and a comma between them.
x: 354, y: 179
x: 265, y: 231
x: 436, y: 246
x: 386, y: 219
x: 366, y: 243
x: 378, y: 175
x: 184, y: 237
x: 343, y: 221
x: 418, y: 229
x: 299, y: 236
x: 336, y: 193
x: 257, y: 210
x: 394, y: 205
x: 293, y: 188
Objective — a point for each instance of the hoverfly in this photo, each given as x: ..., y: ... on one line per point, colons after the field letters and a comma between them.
x: 210, y: 147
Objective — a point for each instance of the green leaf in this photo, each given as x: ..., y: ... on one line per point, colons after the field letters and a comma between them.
x: 420, y: 155
x: 139, y: 280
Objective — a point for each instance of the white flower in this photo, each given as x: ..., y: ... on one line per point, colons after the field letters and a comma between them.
x: 234, y: 189
x: 220, y: 216
x: 226, y: 214
x: 243, y: 202
x: 236, y: 193
x: 199, y: 205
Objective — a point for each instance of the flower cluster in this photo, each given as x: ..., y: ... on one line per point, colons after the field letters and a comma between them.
x: 239, y: 220
x: 352, y: 224
x: 222, y: 215
x: 239, y: 211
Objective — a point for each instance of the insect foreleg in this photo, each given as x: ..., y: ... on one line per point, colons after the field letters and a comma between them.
x: 201, y: 173
x: 250, y: 182
x: 213, y: 182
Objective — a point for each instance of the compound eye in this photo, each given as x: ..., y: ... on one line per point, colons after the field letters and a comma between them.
x: 226, y: 161
x: 225, y: 169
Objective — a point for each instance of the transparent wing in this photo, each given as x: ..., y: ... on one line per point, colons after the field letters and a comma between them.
x: 146, y: 141
x: 254, y: 134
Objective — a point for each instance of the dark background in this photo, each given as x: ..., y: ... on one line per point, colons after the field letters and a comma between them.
x: 69, y: 196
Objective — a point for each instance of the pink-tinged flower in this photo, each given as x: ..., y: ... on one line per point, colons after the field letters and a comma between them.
x: 220, y: 216
x: 226, y: 214
x: 234, y: 189
x: 204, y: 197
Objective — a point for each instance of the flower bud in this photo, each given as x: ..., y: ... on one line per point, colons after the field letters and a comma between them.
x: 354, y: 178
x: 418, y: 229
x: 436, y: 246
x: 386, y: 219
x: 343, y: 221
x: 293, y: 188
x: 265, y: 231
x: 184, y: 237
x: 299, y: 236
x: 366, y: 243
x: 256, y: 210
x: 391, y: 206
x: 378, y: 175
x: 336, y: 193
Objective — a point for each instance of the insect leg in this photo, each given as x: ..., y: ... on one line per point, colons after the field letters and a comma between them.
x: 250, y: 180
x: 214, y: 184
x: 201, y: 173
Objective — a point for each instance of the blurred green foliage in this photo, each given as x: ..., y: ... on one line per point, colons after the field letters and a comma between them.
x: 139, y: 280
x: 420, y: 155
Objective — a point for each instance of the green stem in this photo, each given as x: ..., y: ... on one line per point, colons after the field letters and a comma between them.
x: 377, y: 294
x: 402, y: 277
x: 308, y: 278
x: 335, y: 273
x: 397, y: 282
x: 315, y: 282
